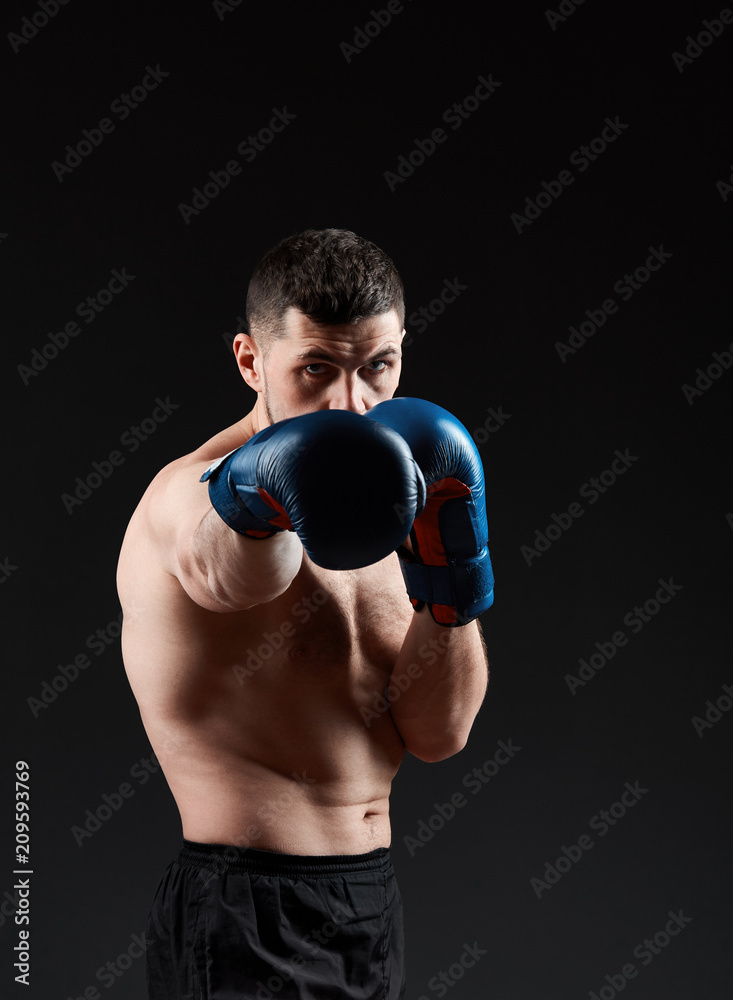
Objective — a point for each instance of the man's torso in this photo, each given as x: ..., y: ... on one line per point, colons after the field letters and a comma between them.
x: 269, y: 723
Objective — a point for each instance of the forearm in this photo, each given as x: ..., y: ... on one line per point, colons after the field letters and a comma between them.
x: 438, y: 684
x: 236, y: 572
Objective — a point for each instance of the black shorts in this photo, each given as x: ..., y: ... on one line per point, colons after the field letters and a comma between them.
x: 232, y: 923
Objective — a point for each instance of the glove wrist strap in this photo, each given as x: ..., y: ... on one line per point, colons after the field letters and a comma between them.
x: 464, y: 589
x: 228, y: 500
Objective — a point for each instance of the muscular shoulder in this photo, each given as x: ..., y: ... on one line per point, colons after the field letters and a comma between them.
x: 174, y: 502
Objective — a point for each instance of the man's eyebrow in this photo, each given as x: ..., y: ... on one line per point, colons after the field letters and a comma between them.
x: 321, y: 355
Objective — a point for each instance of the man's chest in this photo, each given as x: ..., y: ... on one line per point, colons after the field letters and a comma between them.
x: 325, y: 618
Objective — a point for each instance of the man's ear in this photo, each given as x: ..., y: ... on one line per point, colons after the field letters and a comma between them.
x: 249, y: 360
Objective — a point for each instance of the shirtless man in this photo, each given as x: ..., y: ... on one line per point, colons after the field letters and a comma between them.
x: 280, y: 667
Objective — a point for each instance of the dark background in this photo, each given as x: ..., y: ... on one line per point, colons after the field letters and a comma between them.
x: 670, y: 515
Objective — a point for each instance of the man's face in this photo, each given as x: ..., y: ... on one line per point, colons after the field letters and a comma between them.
x: 314, y: 367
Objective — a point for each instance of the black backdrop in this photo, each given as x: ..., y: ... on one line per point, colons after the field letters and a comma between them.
x: 528, y: 889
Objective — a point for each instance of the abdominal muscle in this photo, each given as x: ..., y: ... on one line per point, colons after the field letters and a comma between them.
x: 255, y: 716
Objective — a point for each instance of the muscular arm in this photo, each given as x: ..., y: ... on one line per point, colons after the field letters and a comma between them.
x: 442, y: 676
x: 219, y: 568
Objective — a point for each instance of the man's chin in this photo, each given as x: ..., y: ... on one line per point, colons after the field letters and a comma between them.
x: 281, y: 414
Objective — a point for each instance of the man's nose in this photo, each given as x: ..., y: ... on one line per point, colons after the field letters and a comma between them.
x: 346, y: 395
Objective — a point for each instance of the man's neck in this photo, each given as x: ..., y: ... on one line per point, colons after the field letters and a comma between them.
x: 255, y: 421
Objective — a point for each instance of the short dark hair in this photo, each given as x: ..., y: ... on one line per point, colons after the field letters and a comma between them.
x: 332, y: 276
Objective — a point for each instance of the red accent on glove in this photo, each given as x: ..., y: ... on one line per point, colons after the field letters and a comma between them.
x: 282, y: 520
x: 430, y: 549
x: 444, y: 614
x: 429, y: 545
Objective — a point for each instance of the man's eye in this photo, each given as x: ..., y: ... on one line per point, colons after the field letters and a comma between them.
x: 380, y: 366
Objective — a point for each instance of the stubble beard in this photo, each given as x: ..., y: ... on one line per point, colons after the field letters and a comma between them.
x: 266, y: 398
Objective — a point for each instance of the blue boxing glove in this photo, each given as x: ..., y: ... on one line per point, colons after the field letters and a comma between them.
x: 449, y: 568
x: 333, y: 477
